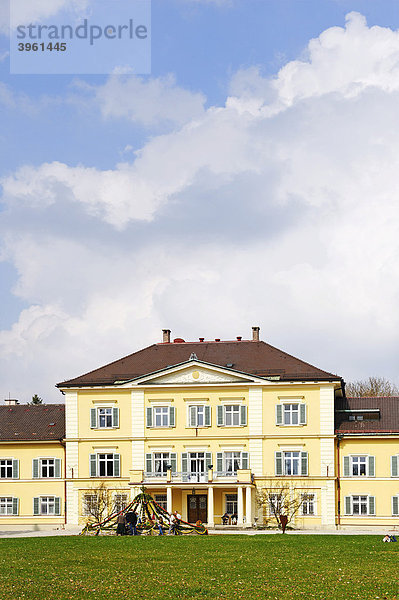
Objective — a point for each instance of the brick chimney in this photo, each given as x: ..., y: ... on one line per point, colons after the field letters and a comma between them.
x: 166, y: 336
x: 255, y: 334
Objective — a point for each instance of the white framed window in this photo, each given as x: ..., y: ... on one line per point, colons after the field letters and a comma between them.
x: 157, y: 463
x: 90, y: 504
x: 195, y: 465
x: 199, y: 415
x: 161, y: 500
x: 120, y: 502
x: 104, y: 417
x: 161, y: 416
x: 293, y: 463
x: 231, y: 504
x: 360, y: 505
x: 291, y: 413
x: 228, y: 463
x: 46, y: 505
x: 232, y: 415
x: 361, y: 465
x: 8, y: 505
x: 308, y: 504
x: 395, y: 465
x: 395, y: 506
x: 9, y: 468
x: 105, y: 464
x: 46, y: 468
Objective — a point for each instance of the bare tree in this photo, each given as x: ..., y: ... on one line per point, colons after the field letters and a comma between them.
x: 98, y: 503
x: 372, y: 386
x: 280, y: 499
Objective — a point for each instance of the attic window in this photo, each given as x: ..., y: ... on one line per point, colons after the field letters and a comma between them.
x: 51, y: 424
x: 352, y: 417
x: 229, y: 364
x: 359, y: 418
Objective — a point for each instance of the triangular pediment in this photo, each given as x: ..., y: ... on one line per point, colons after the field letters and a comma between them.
x: 194, y: 373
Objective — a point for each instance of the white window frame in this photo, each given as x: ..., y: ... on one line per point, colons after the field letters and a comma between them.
x: 41, y: 467
x: 233, y: 408
x: 6, y: 467
x: 163, y: 503
x: 161, y: 413
x: 285, y: 454
x: 49, y: 502
x: 301, y: 412
x: 89, y: 503
x: 395, y: 465
x: 110, y: 423
x: 228, y: 462
x: 395, y: 509
x: 308, y: 499
x: 120, y: 501
x: 233, y: 502
x: 166, y: 412
x: 7, y: 502
x: 359, y: 503
x: 353, y: 461
x: 94, y: 458
x: 196, y: 421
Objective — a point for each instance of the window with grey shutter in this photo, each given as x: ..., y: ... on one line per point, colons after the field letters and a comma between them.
x: 347, y: 466
x: 219, y: 462
x: 172, y: 413
x: 93, y: 465
x: 371, y: 460
x: 192, y: 416
x: 149, y: 416
x: 220, y: 415
x: 35, y: 468
x: 348, y: 505
x: 207, y: 416
x: 244, y: 460
x: 115, y: 417
x: 35, y: 506
x: 395, y: 506
x: 173, y: 462
x: 57, y: 467
x: 279, y: 463
x: 184, y: 465
x: 279, y: 414
x: 302, y: 414
x: 117, y: 465
x: 208, y: 460
x: 57, y: 506
x: 243, y: 414
x: 15, y: 506
x: 93, y: 418
x: 15, y: 468
x: 304, y: 463
x: 394, y: 466
x: 148, y: 463
x: 371, y: 505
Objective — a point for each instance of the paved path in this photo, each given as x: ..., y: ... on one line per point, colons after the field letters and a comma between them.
x: 77, y: 530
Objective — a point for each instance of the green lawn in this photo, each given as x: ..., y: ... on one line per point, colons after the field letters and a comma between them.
x: 265, y: 566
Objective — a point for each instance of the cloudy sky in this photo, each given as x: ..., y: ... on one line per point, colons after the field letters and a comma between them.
x: 251, y: 179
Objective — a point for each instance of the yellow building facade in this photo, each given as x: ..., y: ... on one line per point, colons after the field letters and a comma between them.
x: 209, y: 428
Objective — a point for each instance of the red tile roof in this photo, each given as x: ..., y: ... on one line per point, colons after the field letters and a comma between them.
x: 386, y: 420
x: 252, y: 357
x: 24, y: 422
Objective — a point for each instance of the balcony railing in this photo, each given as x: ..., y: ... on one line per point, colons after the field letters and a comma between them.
x: 187, y: 477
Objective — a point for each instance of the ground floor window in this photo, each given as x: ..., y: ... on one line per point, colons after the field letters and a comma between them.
x: 161, y: 500
x: 308, y: 504
x: 90, y: 504
x: 231, y: 504
x: 360, y: 505
x: 46, y: 505
x: 8, y: 505
x: 120, y: 502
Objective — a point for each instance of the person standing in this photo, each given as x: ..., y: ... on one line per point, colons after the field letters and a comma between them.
x: 173, y: 523
x: 131, y: 519
x: 121, y: 524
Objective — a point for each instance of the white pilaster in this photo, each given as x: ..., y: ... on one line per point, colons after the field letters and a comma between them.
x: 71, y: 414
x: 255, y: 411
x: 248, y: 506
x: 328, y: 504
x: 72, y: 501
x: 72, y: 459
x: 169, y: 506
x: 327, y: 457
x: 327, y: 409
x: 255, y: 457
x: 211, y: 518
x: 137, y: 400
x: 240, y: 507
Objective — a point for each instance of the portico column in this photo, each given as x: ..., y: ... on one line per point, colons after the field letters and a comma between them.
x: 169, y: 507
x: 248, y: 506
x: 240, y: 507
x: 211, y: 517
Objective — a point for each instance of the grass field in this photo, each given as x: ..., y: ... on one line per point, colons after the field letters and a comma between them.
x: 265, y: 566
